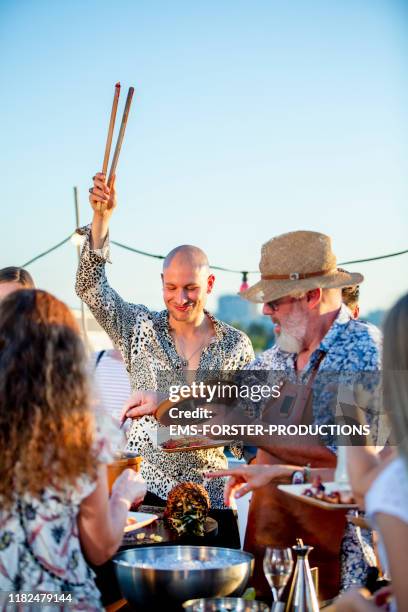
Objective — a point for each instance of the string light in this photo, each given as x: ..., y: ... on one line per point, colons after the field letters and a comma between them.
x: 244, y: 284
x: 77, y: 240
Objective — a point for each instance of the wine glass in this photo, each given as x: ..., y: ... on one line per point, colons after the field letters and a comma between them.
x: 277, y: 566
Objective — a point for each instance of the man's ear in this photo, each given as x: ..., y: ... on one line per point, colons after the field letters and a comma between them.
x: 314, y: 297
x: 210, y: 283
x: 162, y: 278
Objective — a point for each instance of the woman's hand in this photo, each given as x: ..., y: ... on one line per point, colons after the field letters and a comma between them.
x: 248, y: 478
x: 101, y: 519
x: 359, y: 600
x: 129, y: 487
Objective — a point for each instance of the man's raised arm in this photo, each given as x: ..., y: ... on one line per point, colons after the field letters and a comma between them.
x: 114, y: 314
x: 103, y: 202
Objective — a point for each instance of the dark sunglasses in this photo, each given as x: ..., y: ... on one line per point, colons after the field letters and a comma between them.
x: 275, y: 304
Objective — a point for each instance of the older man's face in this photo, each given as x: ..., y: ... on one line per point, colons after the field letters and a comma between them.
x: 291, y: 323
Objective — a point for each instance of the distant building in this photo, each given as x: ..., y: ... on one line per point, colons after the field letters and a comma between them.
x: 233, y: 309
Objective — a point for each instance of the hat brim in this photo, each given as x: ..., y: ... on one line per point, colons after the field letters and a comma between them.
x: 269, y: 290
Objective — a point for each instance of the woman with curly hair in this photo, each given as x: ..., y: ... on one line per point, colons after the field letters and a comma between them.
x: 54, y: 504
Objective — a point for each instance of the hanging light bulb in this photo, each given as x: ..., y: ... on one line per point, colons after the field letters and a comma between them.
x: 244, y: 284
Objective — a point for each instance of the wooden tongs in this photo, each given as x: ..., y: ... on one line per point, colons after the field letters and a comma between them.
x: 121, y: 134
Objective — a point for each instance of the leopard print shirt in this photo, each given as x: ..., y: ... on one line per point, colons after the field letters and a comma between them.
x: 153, y: 363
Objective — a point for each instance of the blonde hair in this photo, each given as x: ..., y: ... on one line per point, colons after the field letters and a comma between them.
x: 395, y: 367
x: 351, y: 296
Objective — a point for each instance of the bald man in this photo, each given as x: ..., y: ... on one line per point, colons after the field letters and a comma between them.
x: 174, y: 346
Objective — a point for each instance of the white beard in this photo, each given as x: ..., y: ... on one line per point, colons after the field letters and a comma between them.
x: 288, y: 343
x: 293, y: 332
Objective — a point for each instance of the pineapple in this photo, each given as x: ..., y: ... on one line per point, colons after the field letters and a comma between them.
x: 187, y: 509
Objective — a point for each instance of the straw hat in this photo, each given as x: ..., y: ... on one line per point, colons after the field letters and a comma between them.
x: 297, y: 261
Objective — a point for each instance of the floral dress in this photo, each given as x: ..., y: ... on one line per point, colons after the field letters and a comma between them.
x: 40, y: 550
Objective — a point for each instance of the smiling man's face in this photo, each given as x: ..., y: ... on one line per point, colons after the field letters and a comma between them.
x: 185, y: 291
x: 186, y: 283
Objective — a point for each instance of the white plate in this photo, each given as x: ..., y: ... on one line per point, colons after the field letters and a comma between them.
x: 296, y: 490
x: 141, y: 519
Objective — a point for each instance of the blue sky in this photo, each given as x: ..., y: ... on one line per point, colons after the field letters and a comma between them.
x: 249, y: 119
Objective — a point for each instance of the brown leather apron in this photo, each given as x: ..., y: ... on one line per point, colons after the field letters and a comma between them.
x: 276, y: 519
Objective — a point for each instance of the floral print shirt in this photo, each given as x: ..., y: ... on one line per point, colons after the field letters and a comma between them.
x: 352, y: 356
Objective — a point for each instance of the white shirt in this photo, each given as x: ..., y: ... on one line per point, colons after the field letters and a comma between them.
x: 388, y: 495
x: 112, y: 384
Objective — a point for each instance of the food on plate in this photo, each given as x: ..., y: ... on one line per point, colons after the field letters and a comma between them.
x: 153, y: 536
x: 187, y: 508
x: 130, y: 521
x: 156, y: 538
x: 317, y: 490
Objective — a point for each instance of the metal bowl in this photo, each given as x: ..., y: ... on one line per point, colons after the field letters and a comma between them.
x: 224, y: 604
x: 167, y: 576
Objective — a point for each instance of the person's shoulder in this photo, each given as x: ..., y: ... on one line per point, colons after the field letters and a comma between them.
x: 230, y: 330
x: 363, y: 327
x: 96, y: 357
x: 267, y: 359
x: 359, y: 346
x: 396, y: 471
x: 232, y: 334
x: 364, y: 332
x: 389, y: 491
x: 142, y: 311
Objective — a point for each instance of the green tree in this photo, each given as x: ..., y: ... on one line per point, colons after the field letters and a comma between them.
x: 261, y: 335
